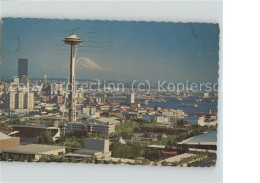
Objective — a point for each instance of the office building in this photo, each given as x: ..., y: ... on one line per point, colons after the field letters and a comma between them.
x: 16, y: 80
x: 29, y: 100
x: 101, y: 125
x: 59, y: 99
x: 21, y: 100
x: 93, y: 147
x: 12, y: 100
x: 130, y: 98
x: 89, y: 110
x: 22, y: 68
x: 97, y: 144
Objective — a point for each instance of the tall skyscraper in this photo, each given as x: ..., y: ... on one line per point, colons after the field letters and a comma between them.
x: 29, y: 100
x: 20, y: 100
x: 131, y: 98
x: 45, y: 79
x: 22, y: 68
x: 12, y: 100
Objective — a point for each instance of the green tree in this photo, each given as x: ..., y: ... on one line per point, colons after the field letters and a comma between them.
x: 93, y: 159
x: 164, y: 163
x: 155, y: 163
x: 145, y: 162
x: 132, y: 151
x: 72, y: 160
x: 180, y: 123
x: 43, y: 158
x: 153, y: 154
x: 45, y: 138
x: 109, y: 162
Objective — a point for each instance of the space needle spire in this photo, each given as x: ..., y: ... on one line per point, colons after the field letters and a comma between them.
x: 73, y: 41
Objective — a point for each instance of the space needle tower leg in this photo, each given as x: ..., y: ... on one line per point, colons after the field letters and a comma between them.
x: 72, y: 86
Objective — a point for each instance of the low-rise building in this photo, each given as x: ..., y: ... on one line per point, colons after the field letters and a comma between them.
x: 104, y: 107
x: 31, y: 133
x: 8, y: 142
x: 165, y: 116
x: 32, y: 152
x: 89, y: 110
x: 155, y: 118
x: 97, y: 144
x: 116, y: 113
x: 93, y: 147
x: 206, y: 141
x: 101, y: 125
x: 202, y: 121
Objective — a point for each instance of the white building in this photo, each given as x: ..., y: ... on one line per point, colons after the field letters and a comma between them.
x: 16, y: 80
x: 21, y: 100
x: 130, y: 98
x: 155, y: 118
x: 12, y: 100
x: 206, y: 95
x: 207, y: 122
x: 165, y: 116
x: 89, y: 110
x: 29, y: 100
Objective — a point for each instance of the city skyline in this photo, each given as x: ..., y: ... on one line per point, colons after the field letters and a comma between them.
x: 113, y: 50
x: 162, y: 124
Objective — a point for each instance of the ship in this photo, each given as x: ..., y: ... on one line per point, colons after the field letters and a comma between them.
x: 189, y: 105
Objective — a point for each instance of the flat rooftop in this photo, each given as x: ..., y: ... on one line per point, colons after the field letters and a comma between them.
x: 35, y: 126
x: 102, y: 121
x: 111, y: 120
x: 84, y: 153
x: 32, y: 149
x: 156, y: 146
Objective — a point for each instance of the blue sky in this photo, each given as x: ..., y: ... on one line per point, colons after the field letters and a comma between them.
x: 113, y: 50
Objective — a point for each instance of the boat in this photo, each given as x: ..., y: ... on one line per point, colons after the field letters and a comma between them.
x: 189, y: 105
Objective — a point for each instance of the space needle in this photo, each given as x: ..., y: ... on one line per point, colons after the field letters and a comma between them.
x: 73, y: 41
